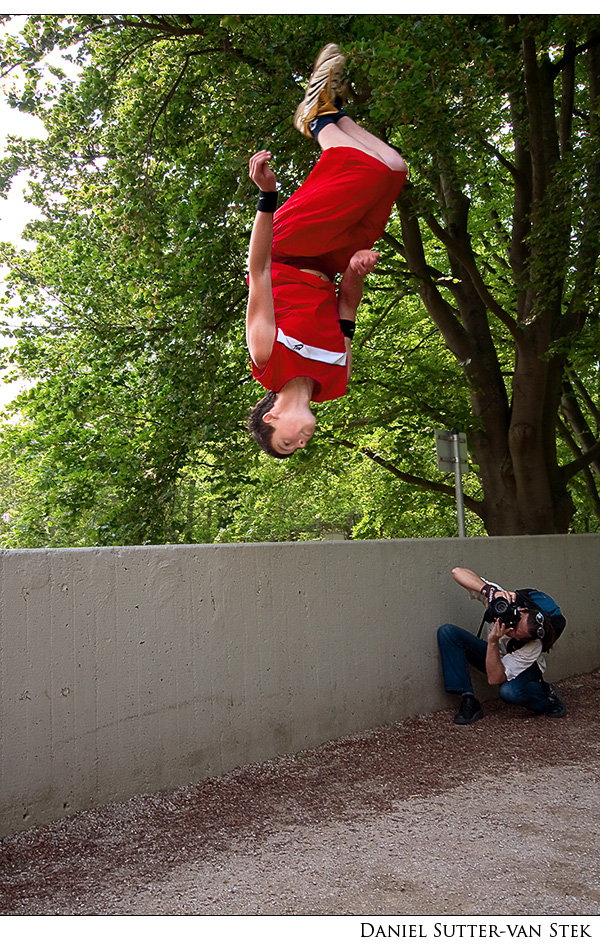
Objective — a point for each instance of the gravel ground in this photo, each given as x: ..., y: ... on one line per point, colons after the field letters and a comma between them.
x: 418, y: 818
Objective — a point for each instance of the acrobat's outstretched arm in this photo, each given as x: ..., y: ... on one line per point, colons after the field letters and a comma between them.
x: 260, y: 314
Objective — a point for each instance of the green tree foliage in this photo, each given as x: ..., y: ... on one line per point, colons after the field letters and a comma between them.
x: 483, y: 314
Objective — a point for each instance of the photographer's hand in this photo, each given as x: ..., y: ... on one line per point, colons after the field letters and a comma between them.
x: 493, y: 663
x: 497, y: 630
x: 510, y: 596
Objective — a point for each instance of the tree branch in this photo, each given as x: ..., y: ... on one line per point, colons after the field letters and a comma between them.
x: 572, y: 51
x: 424, y: 485
x: 583, y: 393
x: 161, y: 26
x: 469, y: 263
x: 567, y: 101
x: 577, y: 422
x: 589, y: 479
x: 166, y: 101
x: 440, y: 311
x: 582, y: 462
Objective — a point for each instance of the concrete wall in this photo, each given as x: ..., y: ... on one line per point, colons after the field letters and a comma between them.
x: 129, y: 670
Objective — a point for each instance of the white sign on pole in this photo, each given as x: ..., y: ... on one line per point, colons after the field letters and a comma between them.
x: 445, y: 444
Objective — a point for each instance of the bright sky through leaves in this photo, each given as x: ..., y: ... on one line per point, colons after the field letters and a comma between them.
x: 15, y: 212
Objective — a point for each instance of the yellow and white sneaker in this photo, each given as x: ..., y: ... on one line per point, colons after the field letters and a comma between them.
x: 324, y: 86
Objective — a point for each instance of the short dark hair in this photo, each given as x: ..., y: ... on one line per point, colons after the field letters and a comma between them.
x: 549, y: 637
x: 263, y: 432
x: 553, y: 621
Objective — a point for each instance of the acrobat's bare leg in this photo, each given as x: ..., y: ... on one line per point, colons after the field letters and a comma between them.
x: 346, y: 133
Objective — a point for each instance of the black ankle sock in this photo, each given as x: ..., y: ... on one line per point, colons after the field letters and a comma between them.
x: 317, y: 124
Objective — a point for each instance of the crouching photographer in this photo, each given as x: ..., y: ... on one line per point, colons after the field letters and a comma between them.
x: 522, y: 626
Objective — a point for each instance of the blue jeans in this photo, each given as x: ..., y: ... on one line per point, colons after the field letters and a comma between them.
x: 460, y: 649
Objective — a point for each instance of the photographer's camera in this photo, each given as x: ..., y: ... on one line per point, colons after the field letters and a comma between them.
x: 503, y: 610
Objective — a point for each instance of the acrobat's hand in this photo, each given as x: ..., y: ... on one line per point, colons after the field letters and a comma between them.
x: 364, y: 261
x: 261, y: 173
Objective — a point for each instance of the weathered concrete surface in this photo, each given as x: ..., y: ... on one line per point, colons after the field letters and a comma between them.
x: 131, y: 670
x: 420, y: 818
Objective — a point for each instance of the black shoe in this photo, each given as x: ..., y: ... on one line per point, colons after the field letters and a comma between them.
x: 470, y: 711
x: 557, y: 709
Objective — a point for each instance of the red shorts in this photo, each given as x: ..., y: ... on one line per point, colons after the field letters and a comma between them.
x: 343, y: 206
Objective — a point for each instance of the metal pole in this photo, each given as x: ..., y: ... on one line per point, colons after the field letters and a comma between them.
x: 460, y: 505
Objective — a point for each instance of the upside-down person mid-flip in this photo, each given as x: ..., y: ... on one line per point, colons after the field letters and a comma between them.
x: 298, y: 327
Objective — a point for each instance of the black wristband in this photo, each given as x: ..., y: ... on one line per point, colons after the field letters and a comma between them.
x: 267, y: 201
x: 347, y: 327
